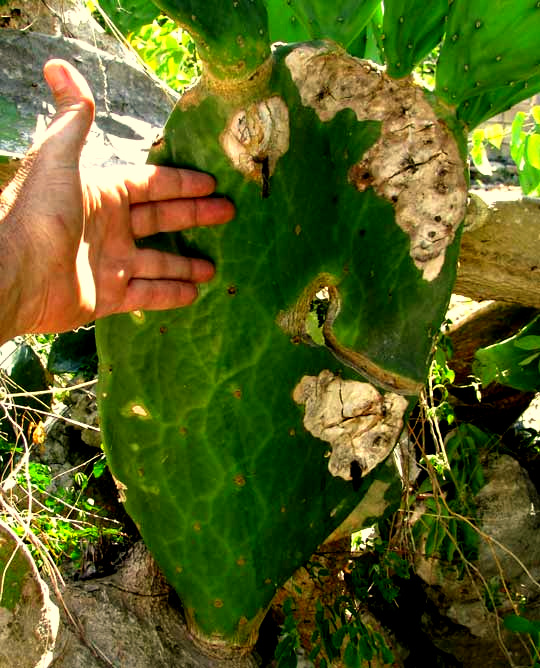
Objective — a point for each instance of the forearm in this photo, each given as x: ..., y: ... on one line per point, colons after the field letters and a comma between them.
x: 11, y: 282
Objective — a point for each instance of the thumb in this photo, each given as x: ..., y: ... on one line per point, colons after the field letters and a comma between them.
x: 74, y: 108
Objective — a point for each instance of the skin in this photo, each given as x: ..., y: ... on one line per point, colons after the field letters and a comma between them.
x: 67, y: 236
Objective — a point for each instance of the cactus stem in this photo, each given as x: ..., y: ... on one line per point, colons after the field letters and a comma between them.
x: 232, y: 45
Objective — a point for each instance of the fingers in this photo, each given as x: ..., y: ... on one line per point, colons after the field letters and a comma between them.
x: 150, y: 183
x: 159, y: 281
x: 74, y: 109
x: 153, y: 264
x: 157, y: 295
x: 180, y: 214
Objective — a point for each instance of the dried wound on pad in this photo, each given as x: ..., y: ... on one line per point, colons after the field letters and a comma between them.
x: 360, y: 424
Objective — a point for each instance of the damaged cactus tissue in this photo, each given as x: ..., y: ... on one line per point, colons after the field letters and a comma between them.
x: 360, y: 424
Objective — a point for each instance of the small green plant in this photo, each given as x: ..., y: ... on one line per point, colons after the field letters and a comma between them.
x: 344, y: 630
x: 454, y: 477
x: 378, y: 570
x: 67, y: 521
x: 525, y: 150
x: 289, y: 642
x: 492, y: 134
x: 163, y: 46
x: 168, y: 50
x: 59, y: 522
x: 341, y: 633
x: 441, y: 376
x: 514, y: 362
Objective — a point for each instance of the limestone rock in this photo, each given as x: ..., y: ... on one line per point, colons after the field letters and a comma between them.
x: 28, y: 618
x: 130, y: 107
x: 129, y: 619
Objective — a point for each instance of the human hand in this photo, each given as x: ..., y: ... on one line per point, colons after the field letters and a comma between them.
x: 67, y: 239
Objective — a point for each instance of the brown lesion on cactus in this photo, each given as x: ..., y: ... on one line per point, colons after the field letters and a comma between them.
x: 295, y: 322
x: 360, y: 424
x: 415, y: 163
x: 255, y: 139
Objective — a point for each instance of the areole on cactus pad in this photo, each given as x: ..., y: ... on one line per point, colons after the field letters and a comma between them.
x: 245, y: 428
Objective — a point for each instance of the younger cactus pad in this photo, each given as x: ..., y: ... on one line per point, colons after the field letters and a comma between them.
x: 489, y: 45
x: 245, y: 428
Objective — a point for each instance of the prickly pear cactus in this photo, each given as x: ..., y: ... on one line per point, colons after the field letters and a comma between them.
x: 489, y: 60
x: 412, y: 24
x: 244, y: 429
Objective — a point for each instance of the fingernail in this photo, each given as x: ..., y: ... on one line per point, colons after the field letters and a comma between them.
x: 57, y: 77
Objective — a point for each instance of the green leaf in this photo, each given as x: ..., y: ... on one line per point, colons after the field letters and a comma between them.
x: 521, y: 624
x: 288, y: 661
x: 431, y: 505
x: 285, y: 648
x: 434, y: 539
x: 517, y: 132
x: 479, y: 154
x: 533, y: 150
x: 341, y: 20
x: 337, y: 637
x: 314, y: 652
x: 451, y: 540
x: 488, y: 47
x: 506, y: 362
x: 203, y: 395
x: 386, y: 653
x: 412, y: 28
x: 494, y: 133
x: 351, y: 656
x: 530, y: 342
x: 535, y: 112
x: 365, y: 648
x: 288, y: 605
x: 529, y: 359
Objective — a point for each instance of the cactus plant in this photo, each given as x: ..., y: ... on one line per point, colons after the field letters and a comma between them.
x: 407, y: 24
x: 489, y: 50
x: 244, y: 429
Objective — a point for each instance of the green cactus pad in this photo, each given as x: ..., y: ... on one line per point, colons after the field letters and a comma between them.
x: 283, y: 22
x: 341, y: 21
x: 231, y: 35
x: 224, y: 422
x: 480, y: 108
x: 411, y: 29
x: 489, y: 45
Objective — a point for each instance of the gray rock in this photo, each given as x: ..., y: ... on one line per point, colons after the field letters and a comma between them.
x: 130, y: 106
x: 28, y: 619
x: 126, y: 620
x: 463, y: 618
x: 509, y: 513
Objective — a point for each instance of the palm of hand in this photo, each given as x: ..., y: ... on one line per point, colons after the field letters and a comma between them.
x: 71, y: 236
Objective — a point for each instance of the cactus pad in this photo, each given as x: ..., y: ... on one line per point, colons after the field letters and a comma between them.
x: 489, y: 45
x: 411, y: 29
x: 220, y: 420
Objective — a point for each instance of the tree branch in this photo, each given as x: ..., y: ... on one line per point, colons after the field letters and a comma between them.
x: 500, y: 250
